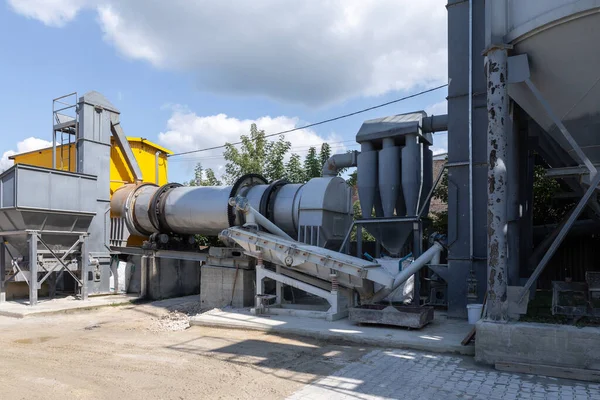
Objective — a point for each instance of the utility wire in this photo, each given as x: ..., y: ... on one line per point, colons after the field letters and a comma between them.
x: 322, y: 122
x: 299, y: 149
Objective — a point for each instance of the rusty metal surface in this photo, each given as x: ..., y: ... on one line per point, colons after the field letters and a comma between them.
x: 497, y: 106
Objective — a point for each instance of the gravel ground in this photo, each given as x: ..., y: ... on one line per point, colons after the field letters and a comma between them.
x: 150, y: 352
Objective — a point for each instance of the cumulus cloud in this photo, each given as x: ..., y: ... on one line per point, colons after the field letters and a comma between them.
x: 51, y: 12
x: 188, y: 131
x: 29, y: 144
x: 312, y: 51
x: 438, y: 108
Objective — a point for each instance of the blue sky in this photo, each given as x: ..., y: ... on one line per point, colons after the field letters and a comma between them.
x: 201, y: 83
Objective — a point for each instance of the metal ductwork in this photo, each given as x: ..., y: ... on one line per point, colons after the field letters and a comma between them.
x: 339, y: 161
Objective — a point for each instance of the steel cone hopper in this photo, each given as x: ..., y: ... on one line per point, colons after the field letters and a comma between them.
x: 395, y: 175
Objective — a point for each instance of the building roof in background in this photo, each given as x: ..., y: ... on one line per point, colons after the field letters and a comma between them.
x: 129, y: 139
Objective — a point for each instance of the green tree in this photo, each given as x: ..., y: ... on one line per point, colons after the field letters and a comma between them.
x: 294, y: 171
x: 275, y: 153
x: 211, y: 179
x: 256, y: 155
x: 352, y: 179
x: 324, y: 154
x: 249, y: 158
x: 546, y: 208
x: 312, y: 164
x: 200, y: 180
x: 366, y: 236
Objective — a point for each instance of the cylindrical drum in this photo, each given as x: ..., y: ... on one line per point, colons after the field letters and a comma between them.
x: 427, y: 178
x: 286, y: 208
x: 141, y: 207
x: 412, y: 174
x: 197, y: 210
x: 367, y: 179
x: 389, y: 176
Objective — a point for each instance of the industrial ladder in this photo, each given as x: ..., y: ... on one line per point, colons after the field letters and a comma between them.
x: 65, y: 120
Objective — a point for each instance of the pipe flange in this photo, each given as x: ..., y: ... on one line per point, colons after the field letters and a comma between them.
x: 265, y: 200
x: 156, y: 209
x: 242, y: 182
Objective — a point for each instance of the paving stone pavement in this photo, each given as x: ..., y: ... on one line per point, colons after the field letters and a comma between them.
x: 403, y: 374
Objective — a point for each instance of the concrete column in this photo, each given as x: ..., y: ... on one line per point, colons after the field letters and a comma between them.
x: 144, y: 276
x: 2, y: 271
x: 33, y: 269
x: 497, y: 105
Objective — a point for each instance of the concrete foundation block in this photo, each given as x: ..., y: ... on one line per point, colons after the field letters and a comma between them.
x: 218, y: 291
x: 533, y: 343
x: 173, y: 278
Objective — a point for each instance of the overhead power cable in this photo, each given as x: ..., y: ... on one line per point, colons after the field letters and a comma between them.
x: 299, y: 149
x: 321, y: 122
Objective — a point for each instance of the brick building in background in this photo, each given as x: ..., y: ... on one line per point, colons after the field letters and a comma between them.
x: 438, y: 205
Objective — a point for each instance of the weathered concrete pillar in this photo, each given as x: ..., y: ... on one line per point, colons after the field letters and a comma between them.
x: 497, y: 105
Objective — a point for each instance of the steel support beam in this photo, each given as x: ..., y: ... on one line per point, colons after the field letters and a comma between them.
x: 582, y: 157
x: 85, y: 262
x: 497, y: 220
x: 60, y: 260
x: 561, y: 235
x: 33, y: 269
x: 2, y: 270
x: 121, y: 139
x: 566, y: 172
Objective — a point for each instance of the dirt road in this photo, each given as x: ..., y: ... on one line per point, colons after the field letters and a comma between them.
x: 137, y: 352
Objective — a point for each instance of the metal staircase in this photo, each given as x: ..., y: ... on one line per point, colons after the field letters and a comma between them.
x: 65, y: 121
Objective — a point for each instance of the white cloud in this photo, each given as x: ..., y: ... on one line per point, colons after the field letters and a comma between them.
x: 310, y: 51
x: 437, y: 108
x: 188, y: 131
x: 29, y: 144
x: 440, y: 139
x: 440, y: 143
x: 50, y: 12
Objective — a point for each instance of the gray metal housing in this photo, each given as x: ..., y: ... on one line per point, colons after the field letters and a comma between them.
x: 395, y: 172
x: 59, y: 221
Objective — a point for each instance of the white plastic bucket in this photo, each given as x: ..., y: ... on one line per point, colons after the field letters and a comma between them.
x: 474, y: 312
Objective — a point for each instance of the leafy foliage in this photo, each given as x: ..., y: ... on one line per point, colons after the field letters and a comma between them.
x: 324, y: 154
x: 312, y: 164
x: 201, y: 180
x: 547, y: 209
x: 258, y: 155
x: 366, y: 236
x: 249, y: 158
x: 352, y: 179
x: 294, y: 170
